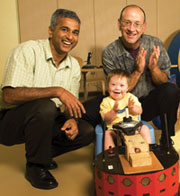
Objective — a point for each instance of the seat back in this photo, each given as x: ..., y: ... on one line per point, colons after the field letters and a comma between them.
x: 99, y: 136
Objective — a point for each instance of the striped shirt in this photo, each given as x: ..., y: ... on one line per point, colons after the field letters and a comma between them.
x: 31, y: 65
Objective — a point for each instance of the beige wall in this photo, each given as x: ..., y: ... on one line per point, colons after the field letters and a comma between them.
x: 99, y: 22
x: 9, y: 30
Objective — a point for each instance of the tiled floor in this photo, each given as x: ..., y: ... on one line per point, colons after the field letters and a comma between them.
x: 74, y: 174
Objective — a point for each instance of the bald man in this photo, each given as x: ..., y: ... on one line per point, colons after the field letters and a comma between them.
x: 146, y: 59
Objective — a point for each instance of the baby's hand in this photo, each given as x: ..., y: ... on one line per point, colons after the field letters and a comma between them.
x: 116, y: 106
x: 131, y: 103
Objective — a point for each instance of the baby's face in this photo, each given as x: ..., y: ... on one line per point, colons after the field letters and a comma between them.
x: 118, y: 87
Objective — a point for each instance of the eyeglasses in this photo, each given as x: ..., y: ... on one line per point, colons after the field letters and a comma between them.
x: 127, y: 23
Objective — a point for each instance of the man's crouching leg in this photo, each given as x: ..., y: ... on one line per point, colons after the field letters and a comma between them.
x: 85, y: 136
x: 38, y: 138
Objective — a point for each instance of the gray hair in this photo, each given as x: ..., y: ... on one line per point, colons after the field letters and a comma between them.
x: 63, y: 13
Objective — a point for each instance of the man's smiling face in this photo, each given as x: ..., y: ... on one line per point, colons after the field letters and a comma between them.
x: 132, y: 26
x: 65, y: 36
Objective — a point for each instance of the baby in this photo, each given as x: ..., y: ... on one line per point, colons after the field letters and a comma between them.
x: 112, y: 108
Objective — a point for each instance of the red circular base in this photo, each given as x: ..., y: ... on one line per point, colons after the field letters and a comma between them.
x: 158, y: 183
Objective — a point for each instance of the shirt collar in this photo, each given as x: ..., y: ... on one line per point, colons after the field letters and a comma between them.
x: 66, y: 63
x: 122, y: 49
x: 47, y: 50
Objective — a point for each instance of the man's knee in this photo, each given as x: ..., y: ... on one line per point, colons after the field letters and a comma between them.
x: 171, y: 89
x: 86, y: 132
x: 169, y: 92
x: 92, y: 108
x: 43, y: 109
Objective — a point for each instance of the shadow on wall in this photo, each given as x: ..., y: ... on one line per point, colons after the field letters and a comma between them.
x: 99, y: 55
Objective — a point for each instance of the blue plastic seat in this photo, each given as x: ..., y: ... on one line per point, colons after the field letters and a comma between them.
x: 99, y: 136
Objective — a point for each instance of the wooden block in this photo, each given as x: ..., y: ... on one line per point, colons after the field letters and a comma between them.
x: 136, y: 137
x: 140, y: 159
x: 135, y: 144
x: 156, y: 165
